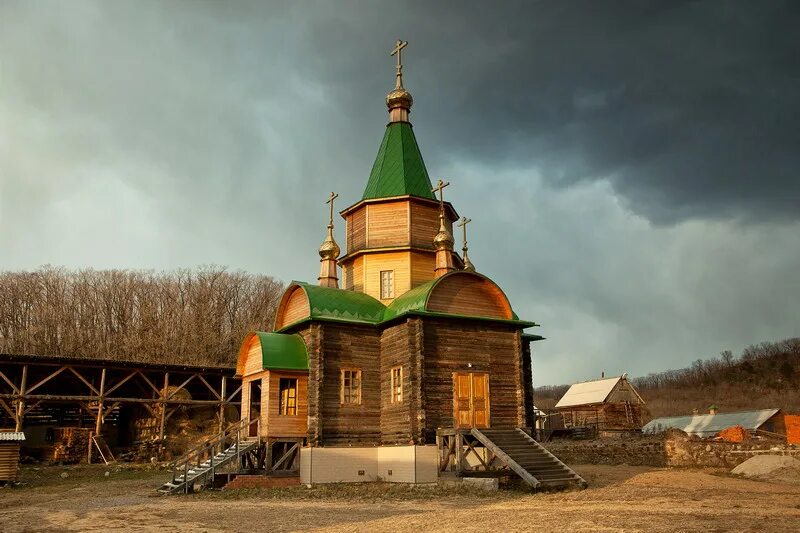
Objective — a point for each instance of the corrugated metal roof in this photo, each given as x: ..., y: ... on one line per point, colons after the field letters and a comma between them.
x: 588, y: 392
x: 707, y: 425
x: 12, y: 436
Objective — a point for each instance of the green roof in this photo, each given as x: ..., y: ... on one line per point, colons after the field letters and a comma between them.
x: 411, y: 301
x: 282, y: 352
x: 340, y: 304
x: 398, y: 169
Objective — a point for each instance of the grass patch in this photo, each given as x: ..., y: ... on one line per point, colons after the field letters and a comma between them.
x: 73, y: 475
x: 363, y: 492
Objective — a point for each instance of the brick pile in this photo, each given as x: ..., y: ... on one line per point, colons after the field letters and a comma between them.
x: 247, y: 481
x: 733, y: 434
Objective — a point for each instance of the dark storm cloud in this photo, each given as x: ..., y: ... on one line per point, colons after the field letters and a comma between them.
x: 691, y: 109
x: 155, y: 134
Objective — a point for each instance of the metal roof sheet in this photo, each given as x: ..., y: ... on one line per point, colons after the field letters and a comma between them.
x: 6, y: 436
x: 398, y: 169
x: 707, y: 425
x: 588, y: 392
x: 282, y: 352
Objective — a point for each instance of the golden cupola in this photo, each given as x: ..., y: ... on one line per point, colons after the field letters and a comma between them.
x: 328, y: 253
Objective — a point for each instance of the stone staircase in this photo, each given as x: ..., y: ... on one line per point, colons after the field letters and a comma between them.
x: 528, y: 459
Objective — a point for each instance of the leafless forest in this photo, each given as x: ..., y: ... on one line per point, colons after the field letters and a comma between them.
x: 179, y: 317
x: 762, y: 376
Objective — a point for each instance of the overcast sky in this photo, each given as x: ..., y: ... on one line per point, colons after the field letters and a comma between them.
x: 631, y: 168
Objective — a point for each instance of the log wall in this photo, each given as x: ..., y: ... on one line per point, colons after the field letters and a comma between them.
x: 448, y: 347
x: 396, y: 350
x: 387, y: 224
x: 348, y: 346
x: 278, y: 425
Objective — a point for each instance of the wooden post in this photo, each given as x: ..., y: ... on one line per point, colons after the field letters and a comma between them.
x: 459, y: 451
x: 222, y: 399
x: 99, y: 422
x: 21, y: 401
x: 163, y: 413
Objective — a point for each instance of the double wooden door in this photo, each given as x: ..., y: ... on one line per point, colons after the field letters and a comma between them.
x: 471, y: 399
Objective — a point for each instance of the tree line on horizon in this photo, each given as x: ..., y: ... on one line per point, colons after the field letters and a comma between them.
x: 765, y: 375
x: 187, y: 316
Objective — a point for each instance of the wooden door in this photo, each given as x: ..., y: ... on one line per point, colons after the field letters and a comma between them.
x: 471, y: 399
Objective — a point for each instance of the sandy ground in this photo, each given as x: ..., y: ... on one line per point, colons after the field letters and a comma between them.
x: 620, y: 498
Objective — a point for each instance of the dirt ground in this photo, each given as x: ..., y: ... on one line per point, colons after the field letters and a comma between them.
x: 619, y: 498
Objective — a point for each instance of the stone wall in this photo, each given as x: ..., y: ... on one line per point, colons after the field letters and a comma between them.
x: 668, y: 449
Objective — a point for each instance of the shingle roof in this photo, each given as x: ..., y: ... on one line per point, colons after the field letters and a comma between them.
x: 588, y: 392
x: 16, y: 436
x: 399, y: 169
x: 708, y: 424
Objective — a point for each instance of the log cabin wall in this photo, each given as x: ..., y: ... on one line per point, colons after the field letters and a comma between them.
x: 275, y: 424
x: 312, y: 336
x: 346, y: 346
x: 494, y: 348
x: 424, y: 225
x: 397, y: 350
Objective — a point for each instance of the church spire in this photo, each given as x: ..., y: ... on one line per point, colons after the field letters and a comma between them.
x: 443, y: 241
x: 399, y: 100
x: 328, y: 253
x: 467, y: 263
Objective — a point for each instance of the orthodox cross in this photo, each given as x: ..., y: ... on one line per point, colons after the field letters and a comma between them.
x: 330, y: 200
x: 398, y: 48
x: 440, y: 189
x: 463, y: 224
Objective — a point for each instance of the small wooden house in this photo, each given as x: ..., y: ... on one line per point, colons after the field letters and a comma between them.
x: 10, y: 443
x: 610, y: 405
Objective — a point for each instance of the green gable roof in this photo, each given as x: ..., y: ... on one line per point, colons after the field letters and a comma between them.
x: 282, y: 352
x: 398, y: 169
x: 340, y: 304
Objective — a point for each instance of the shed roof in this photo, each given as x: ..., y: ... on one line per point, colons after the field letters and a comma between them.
x: 589, y: 392
x: 12, y: 436
x: 708, y: 424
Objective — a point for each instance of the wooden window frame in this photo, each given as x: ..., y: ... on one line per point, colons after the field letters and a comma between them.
x: 396, y: 384
x: 354, y: 372
x: 285, y: 404
x: 390, y: 289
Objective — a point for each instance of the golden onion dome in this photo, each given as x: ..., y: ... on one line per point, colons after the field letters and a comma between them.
x: 329, y: 249
x: 399, y: 97
x: 443, y: 240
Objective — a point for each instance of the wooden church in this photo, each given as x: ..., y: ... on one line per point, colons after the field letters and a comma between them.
x: 399, y: 341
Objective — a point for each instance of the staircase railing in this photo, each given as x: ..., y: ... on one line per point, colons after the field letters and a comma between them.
x: 207, y: 450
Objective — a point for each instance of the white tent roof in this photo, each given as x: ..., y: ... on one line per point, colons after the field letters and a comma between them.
x: 706, y: 425
x: 588, y: 392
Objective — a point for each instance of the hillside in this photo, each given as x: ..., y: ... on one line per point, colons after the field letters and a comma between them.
x: 763, y: 375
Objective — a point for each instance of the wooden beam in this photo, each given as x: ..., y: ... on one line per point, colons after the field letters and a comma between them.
x: 99, y: 421
x: 214, y: 392
x: 68, y: 398
x: 221, y: 397
x: 30, y: 408
x: 163, y: 410
x: 234, y: 393
x: 45, y: 380
x: 180, y: 387
x: 21, y: 402
x: 155, y: 389
x: 85, y: 382
x: 10, y: 384
x: 122, y: 382
x: 7, y: 409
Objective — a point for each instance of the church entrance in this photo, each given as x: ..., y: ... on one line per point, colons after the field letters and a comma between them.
x: 471, y: 399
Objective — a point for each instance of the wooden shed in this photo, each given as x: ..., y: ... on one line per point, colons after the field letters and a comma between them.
x: 610, y: 404
x: 10, y: 443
